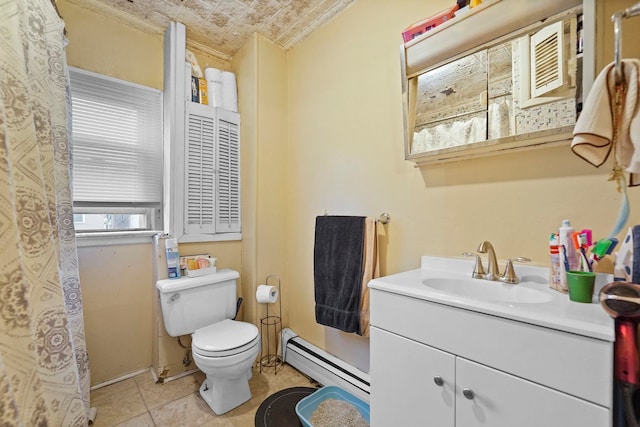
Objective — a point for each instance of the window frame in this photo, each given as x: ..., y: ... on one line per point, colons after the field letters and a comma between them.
x: 153, y: 211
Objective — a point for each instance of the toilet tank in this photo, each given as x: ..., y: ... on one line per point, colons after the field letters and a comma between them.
x: 189, y: 303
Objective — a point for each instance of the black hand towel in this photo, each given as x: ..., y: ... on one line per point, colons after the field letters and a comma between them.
x: 337, y: 271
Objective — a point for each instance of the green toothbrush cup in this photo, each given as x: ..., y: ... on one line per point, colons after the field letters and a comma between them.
x: 581, y: 285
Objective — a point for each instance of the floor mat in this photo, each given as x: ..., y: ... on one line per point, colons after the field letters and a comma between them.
x: 279, y: 409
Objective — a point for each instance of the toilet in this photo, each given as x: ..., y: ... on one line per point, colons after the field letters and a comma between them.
x: 222, y: 348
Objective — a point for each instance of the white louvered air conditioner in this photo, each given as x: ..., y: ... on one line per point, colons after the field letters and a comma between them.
x: 212, y: 170
x: 228, y: 168
x: 545, y: 65
x: 547, y: 59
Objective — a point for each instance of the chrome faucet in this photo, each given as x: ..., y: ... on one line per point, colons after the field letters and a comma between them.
x: 492, y: 270
x: 493, y: 273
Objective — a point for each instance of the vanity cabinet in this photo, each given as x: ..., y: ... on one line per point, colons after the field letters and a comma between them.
x: 432, y: 364
x: 403, y: 388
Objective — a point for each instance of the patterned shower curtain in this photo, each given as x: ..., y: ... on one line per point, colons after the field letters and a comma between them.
x: 44, y: 373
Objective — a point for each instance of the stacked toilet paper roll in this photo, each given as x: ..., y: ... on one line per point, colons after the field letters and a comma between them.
x: 223, y: 91
x: 229, y: 91
x: 213, y: 76
x: 267, y: 294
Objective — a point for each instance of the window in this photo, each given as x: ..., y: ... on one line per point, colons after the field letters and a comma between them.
x: 117, y: 154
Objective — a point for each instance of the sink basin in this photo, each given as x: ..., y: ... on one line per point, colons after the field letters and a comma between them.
x: 487, y: 290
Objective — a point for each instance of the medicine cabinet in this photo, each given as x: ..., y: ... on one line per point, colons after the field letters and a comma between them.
x: 502, y: 76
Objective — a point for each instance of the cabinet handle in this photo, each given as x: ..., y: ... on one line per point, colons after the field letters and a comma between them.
x: 468, y: 393
x: 438, y: 380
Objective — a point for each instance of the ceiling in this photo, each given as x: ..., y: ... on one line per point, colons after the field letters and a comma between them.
x: 221, y: 27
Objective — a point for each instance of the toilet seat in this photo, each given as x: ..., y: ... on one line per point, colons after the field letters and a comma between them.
x: 224, y: 338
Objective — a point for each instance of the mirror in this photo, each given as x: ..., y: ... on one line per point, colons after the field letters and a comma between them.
x: 451, y: 104
x: 520, y: 90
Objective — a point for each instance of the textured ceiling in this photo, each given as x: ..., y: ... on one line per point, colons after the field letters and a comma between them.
x: 221, y: 27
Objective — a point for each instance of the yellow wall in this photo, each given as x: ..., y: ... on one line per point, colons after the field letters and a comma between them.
x: 322, y: 132
x: 245, y: 67
x: 605, y: 42
x: 261, y: 69
x: 271, y: 184
x: 117, y: 281
x: 116, y: 296
x: 346, y: 157
x: 104, y: 46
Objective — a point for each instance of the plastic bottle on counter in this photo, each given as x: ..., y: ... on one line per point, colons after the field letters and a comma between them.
x: 555, y: 270
x: 173, y: 258
x: 568, y: 253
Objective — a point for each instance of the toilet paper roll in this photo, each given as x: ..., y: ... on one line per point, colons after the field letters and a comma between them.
x: 213, y: 74
x: 229, y: 91
x: 267, y: 294
x: 215, y: 93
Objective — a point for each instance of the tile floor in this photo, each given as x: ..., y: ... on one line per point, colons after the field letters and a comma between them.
x: 139, y: 401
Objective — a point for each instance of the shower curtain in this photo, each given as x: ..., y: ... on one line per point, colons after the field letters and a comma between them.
x: 44, y: 373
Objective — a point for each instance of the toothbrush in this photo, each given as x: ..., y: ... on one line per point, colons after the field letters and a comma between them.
x: 585, y: 260
x: 612, y: 246
x: 582, y: 240
x: 564, y: 257
x: 601, y: 248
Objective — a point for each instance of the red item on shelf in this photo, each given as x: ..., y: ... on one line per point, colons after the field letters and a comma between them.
x: 429, y: 23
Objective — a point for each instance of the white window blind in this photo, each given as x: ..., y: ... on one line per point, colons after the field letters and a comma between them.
x: 117, y: 142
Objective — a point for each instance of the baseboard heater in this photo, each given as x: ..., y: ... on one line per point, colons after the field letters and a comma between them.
x: 322, y: 366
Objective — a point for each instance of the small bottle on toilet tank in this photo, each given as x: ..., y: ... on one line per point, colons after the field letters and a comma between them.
x: 173, y: 258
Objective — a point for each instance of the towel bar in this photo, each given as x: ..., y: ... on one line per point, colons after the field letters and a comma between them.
x: 617, y: 33
x: 384, y: 218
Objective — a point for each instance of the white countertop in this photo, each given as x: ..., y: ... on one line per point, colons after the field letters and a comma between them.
x: 558, y: 312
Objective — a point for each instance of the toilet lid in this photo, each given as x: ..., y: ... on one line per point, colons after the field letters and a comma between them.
x: 224, y: 338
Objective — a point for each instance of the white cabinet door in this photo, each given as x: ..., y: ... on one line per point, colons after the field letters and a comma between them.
x: 502, y: 400
x: 403, y: 383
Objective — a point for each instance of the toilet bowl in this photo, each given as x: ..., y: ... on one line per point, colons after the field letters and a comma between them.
x: 222, y: 348
x: 225, y: 352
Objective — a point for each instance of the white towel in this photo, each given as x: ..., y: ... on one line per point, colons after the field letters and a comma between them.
x: 196, y: 71
x: 593, y: 132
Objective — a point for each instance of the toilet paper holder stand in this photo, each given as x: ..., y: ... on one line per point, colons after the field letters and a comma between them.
x: 270, y: 327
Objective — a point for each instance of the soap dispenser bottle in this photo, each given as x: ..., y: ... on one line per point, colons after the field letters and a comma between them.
x: 173, y: 258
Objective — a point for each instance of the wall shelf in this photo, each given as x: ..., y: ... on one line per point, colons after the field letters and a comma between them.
x: 483, y: 24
